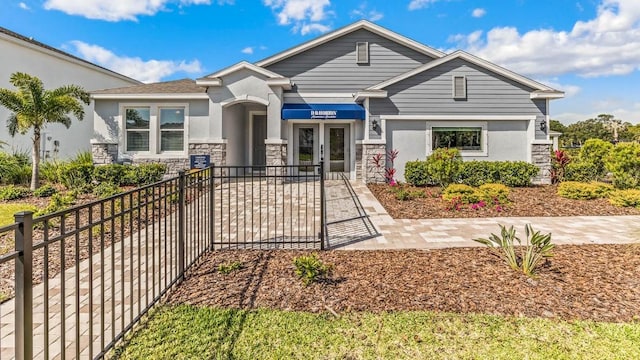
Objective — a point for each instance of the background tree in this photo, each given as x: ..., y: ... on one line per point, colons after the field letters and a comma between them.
x: 32, y: 108
x: 613, y: 125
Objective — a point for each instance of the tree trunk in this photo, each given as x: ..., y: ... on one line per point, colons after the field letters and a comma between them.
x: 35, y: 159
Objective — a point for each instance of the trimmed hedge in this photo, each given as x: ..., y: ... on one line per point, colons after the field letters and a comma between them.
x: 581, y: 171
x: 475, y: 173
x: 625, y: 198
x: 584, y: 191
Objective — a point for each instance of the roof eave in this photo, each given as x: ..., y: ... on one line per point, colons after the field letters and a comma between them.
x: 177, y: 96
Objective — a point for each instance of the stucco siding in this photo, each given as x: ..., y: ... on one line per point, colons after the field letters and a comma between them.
x: 332, y: 67
x: 409, y: 138
x: 54, y: 71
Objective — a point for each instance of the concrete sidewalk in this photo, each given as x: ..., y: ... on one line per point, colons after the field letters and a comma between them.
x: 442, y: 233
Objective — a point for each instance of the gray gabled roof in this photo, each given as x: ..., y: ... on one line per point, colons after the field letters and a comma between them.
x: 44, y: 46
x: 182, y: 86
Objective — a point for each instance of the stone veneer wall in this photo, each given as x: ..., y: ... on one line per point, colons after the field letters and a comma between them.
x: 104, y: 153
x: 370, y: 174
x: 276, y: 154
x: 541, y: 157
x: 359, y: 169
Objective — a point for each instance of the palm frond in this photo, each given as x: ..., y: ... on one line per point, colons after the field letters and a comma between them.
x: 12, y: 124
x: 11, y: 100
x: 74, y: 91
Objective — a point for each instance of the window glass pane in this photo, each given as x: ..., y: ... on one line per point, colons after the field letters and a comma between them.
x: 137, y: 141
x: 137, y: 118
x: 305, y: 148
x: 172, y: 141
x: 462, y: 138
x: 171, y: 118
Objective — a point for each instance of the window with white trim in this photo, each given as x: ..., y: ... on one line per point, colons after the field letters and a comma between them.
x: 463, y: 138
x: 362, y: 52
x: 459, y: 87
x: 137, y: 127
x: 171, y: 121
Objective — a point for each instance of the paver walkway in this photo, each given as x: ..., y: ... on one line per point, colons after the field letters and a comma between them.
x: 442, y: 233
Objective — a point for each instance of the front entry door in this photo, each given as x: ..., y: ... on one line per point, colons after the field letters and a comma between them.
x: 305, y: 147
x: 259, y: 129
x: 337, y: 142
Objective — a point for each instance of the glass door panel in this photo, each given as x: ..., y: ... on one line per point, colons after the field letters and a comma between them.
x: 336, y: 150
x: 305, y: 149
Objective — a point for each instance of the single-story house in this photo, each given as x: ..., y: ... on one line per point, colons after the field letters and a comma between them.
x: 55, y: 68
x: 344, y: 96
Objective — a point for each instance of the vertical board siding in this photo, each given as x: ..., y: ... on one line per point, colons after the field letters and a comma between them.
x: 332, y: 67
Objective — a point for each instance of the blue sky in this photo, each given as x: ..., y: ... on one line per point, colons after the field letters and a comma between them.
x: 588, y: 48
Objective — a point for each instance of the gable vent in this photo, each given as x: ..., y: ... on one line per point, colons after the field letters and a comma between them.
x: 459, y: 87
x: 362, y: 52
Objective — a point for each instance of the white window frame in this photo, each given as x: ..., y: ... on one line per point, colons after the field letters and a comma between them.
x: 159, y: 132
x: 464, y: 87
x: 125, y: 130
x: 484, y: 143
x: 154, y: 130
x: 366, y: 47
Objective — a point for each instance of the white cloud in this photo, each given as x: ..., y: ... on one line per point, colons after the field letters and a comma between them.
x: 248, y: 50
x: 305, y: 15
x: 419, y: 4
x: 118, y: 10
x: 609, y: 44
x: 24, y: 6
x: 145, y: 71
x: 363, y: 13
x: 569, y: 89
x: 478, y: 13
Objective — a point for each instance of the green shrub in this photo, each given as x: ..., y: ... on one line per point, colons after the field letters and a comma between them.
x: 584, y: 191
x: 111, y: 173
x: 465, y: 193
x: 625, y: 198
x: 76, y: 176
x: 403, y: 194
x: 228, y: 268
x: 45, y: 191
x: 494, y: 192
x: 49, y: 171
x: 106, y: 189
x: 444, y: 166
x: 57, y: 203
x: 476, y: 173
x: 624, y: 162
x: 581, y: 171
x: 309, y: 268
x: 83, y: 157
x: 595, y: 152
x: 11, y: 192
x: 537, y: 248
x: 14, y: 169
x: 143, y: 174
x: 416, y: 173
x: 516, y: 173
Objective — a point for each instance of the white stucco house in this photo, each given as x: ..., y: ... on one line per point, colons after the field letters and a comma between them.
x: 343, y: 96
x: 55, y: 68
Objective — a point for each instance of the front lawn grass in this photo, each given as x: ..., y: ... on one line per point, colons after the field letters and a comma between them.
x: 8, y: 210
x: 188, y: 332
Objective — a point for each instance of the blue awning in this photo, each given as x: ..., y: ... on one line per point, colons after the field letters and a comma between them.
x: 323, y: 111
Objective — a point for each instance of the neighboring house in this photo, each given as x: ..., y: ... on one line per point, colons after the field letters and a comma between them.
x: 55, y: 68
x: 344, y: 97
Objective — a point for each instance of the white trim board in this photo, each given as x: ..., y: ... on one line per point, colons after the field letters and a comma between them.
x: 362, y: 24
x: 459, y: 117
x: 173, y: 96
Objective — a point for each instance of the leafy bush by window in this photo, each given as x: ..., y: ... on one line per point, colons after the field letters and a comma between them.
x: 537, y: 248
x: 624, y: 163
x: 106, y: 189
x: 625, y: 198
x: 143, y: 174
x: 584, y: 191
x: 11, y: 192
x: 476, y: 173
x: 595, y: 152
x: 416, y: 173
x: 110, y: 173
x: 45, y: 191
x: 444, y: 166
x: 516, y: 173
x: 76, y: 176
x: 581, y: 171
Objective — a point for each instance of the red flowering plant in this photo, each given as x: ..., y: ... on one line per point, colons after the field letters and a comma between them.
x: 379, y: 162
x: 559, y: 163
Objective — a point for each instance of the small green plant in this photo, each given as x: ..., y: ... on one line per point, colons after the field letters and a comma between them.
x: 465, y: 193
x: 527, y: 258
x: 11, y: 192
x: 106, y: 189
x: 143, y: 174
x: 624, y: 163
x: 444, y: 165
x: 309, y: 268
x: 110, y: 173
x: 76, y: 176
x: 625, y: 198
x: 495, y: 193
x: 57, y: 203
x: 584, y: 191
x: 416, y: 173
x: 45, y: 191
x: 594, y: 152
x: 14, y: 168
x: 403, y: 194
x: 228, y: 268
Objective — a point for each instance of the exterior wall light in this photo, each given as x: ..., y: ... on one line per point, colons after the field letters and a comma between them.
x: 374, y: 124
x: 543, y: 126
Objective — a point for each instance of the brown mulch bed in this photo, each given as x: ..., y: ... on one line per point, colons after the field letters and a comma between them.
x: 596, y: 282
x: 526, y: 201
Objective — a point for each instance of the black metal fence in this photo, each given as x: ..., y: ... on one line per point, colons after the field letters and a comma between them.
x: 77, y: 281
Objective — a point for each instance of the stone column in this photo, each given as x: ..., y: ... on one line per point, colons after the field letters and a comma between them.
x: 276, y: 156
x: 359, y: 166
x: 371, y: 174
x: 104, y: 153
x: 217, y: 150
x: 541, y: 157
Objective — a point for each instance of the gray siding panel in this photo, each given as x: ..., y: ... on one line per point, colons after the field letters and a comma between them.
x: 430, y: 93
x: 332, y: 67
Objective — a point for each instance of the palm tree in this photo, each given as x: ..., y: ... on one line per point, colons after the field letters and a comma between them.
x: 32, y: 108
